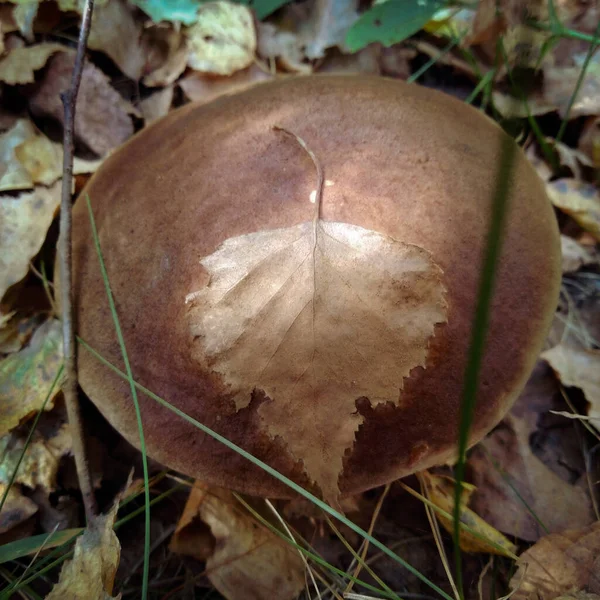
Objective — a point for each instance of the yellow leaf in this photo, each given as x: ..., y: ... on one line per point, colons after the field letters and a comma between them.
x: 440, y: 490
x: 90, y: 575
x: 578, y: 199
x: 243, y: 559
x: 223, y: 40
x: 351, y: 310
x: 26, y: 376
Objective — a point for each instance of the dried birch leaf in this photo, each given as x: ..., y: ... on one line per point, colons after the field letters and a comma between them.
x: 19, y: 65
x: 317, y: 316
x: 223, y: 40
x: 24, y: 223
x: 91, y: 573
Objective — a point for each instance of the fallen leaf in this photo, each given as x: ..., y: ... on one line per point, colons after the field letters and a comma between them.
x: 322, y: 308
x: 41, y: 458
x: 24, y: 223
x: 575, y: 255
x: 589, y: 142
x: 328, y: 25
x: 115, y: 32
x: 200, y: 88
x: 181, y: 11
x: 577, y: 367
x: 19, y: 65
x: 90, y: 575
x: 7, y: 24
x: 26, y: 377
x: 560, y: 563
x: 440, y: 491
x: 102, y: 119
x: 283, y: 46
x: 578, y: 199
x: 170, y: 57
x: 243, y: 558
x: 16, y: 331
x: 560, y: 82
x: 366, y: 60
x: 223, y: 40
x: 16, y: 510
x: 157, y: 104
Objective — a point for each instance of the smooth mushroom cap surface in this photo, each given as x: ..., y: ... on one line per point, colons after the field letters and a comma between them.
x: 409, y: 171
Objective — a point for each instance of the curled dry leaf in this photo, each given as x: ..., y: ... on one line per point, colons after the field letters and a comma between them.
x: 504, y: 465
x: 575, y: 255
x: 283, y: 46
x: 172, y: 60
x: 90, y: 575
x: 560, y: 563
x: 24, y: 223
x: 199, y: 88
x: 243, y: 558
x: 578, y: 199
x: 20, y: 64
x: 440, y: 490
x: 282, y: 291
x: 157, y: 105
x: 16, y: 510
x: 26, y: 377
x: 41, y: 459
x: 102, y: 119
x: 223, y: 40
x: 577, y: 367
x: 115, y: 32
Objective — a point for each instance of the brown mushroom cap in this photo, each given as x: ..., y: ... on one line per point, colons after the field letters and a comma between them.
x: 410, y: 166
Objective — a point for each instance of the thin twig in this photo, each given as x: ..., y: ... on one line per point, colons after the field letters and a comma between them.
x: 69, y: 99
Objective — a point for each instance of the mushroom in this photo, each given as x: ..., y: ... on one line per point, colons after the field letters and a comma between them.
x: 296, y: 266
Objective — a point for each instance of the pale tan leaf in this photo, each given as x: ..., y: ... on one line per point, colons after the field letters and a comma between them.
x: 39, y: 466
x: 580, y: 368
x: 20, y: 64
x: 16, y: 510
x: 157, y: 105
x: 200, y: 88
x: 285, y: 46
x: 560, y: 563
x: 169, y: 58
x: 90, y: 575
x: 351, y: 311
x: 244, y: 560
x: 574, y: 255
x: 223, y: 40
x: 115, y: 32
x: 578, y: 199
x: 560, y: 82
x: 26, y: 376
x: 102, y: 119
x: 24, y: 223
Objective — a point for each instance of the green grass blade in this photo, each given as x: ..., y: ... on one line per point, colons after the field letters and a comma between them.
x: 138, y: 414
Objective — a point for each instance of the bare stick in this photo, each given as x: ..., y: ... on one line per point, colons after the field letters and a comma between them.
x: 69, y: 99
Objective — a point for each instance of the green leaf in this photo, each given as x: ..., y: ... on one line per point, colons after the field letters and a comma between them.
x: 184, y: 11
x: 263, y: 8
x: 391, y: 22
x: 31, y: 545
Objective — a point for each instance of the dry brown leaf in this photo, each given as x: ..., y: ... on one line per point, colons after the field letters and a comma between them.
x: 575, y: 255
x: 16, y: 510
x: 327, y: 26
x: 308, y: 275
x: 223, y: 40
x: 244, y: 560
x: 589, y: 141
x: 560, y: 82
x: 24, y: 223
x: 157, y: 105
x: 283, y: 46
x: 366, y: 60
x: 440, y: 491
x: 577, y: 367
x: 115, y: 32
x: 90, y: 575
x: 39, y: 466
x: 560, y: 563
x: 16, y: 331
x: 19, y: 65
x: 199, y: 88
x: 102, y: 119
x: 169, y: 58
x: 578, y: 199
x: 504, y: 465
x: 26, y: 376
